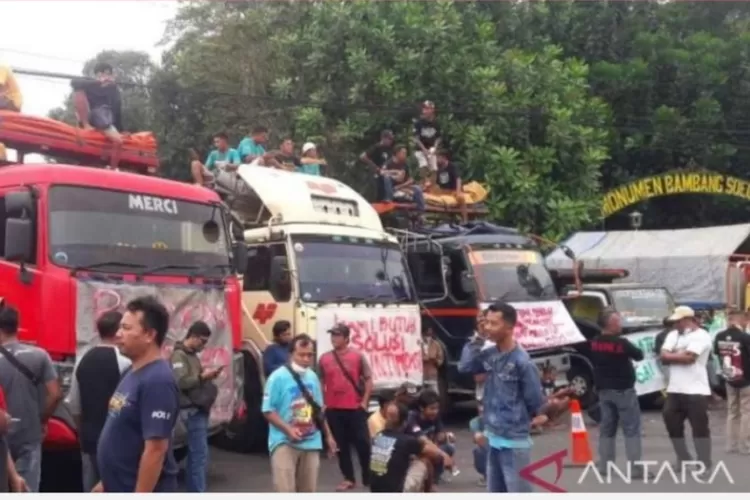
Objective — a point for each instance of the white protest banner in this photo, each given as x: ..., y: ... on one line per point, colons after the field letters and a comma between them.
x: 648, y: 375
x: 546, y: 324
x: 390, y: 338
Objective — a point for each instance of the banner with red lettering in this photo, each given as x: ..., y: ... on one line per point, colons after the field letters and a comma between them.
x: 186, y: 304
x: 390, y: 338
x: 542, y: 325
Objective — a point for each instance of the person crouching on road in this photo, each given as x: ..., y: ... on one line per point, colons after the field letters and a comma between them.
x: 347, y: 386
x: 612, y: 357
x: 293, y: 406
x: 426, y: 423
x: 135, y: 448
x: 401, y: 462
x: 376, y: 422
x: 197, y: 395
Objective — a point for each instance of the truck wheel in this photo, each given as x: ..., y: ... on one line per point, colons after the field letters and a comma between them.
x: 247, y: 433
x: 582, y: 381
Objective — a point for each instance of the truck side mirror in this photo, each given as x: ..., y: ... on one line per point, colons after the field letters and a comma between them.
x: 468, y: 286
x: 279, y: 269
x: 239, y: 256
x: 19, y: 203
x: 19, y: 240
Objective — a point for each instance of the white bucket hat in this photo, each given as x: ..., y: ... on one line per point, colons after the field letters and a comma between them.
x: 682, y: 312
x: 307, y: 147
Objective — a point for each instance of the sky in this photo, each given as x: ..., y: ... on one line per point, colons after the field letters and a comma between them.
x: 60, y: 36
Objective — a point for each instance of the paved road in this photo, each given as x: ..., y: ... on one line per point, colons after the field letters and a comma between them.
x: 247, y: 473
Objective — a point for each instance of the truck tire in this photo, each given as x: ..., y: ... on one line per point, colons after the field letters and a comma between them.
x: 247, y: 433
x: 581, y: 379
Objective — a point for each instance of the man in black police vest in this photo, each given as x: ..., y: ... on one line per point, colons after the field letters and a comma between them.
x: 94, y: 381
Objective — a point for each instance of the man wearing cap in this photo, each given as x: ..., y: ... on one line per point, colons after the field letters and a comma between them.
x: 310, y: 163
x: 427, y: 137
x: 685, y: 352
x: 347, y: 385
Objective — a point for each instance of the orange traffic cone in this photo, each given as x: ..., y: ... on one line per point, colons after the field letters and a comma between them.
x: 580, y: 448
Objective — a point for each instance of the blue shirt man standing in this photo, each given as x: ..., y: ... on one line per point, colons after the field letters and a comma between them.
x: 513, y: 400
x: 134, y: 454
x: 277, y: 354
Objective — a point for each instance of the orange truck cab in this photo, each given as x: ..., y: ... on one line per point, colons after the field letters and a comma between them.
x: 77, y: 242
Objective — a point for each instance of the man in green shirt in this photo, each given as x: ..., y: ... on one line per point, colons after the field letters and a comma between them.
x: 253, y: 146
x: 223, y: 157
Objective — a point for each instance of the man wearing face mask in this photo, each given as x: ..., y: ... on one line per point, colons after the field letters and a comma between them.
x: 293, y: 406
x: 197, y: 395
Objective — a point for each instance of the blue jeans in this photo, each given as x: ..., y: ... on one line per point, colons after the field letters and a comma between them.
x: 480, y: 460
x: 449, y: 450
x: 90, y: 471
x: 196, y: 422
x: 418, y: 196
x: 387, y: 187
x: 28, y: 461
x: 619, y: 407
x: 503, y: 470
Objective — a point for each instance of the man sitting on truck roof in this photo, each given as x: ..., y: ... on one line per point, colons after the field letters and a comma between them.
x: 223, y: 157
x: 404, y: 184
x: 98, y: 105
x: 376, y: 157
x: 253, y: 146
x: 448, y: 182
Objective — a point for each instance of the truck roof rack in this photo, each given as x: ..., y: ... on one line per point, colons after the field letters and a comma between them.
x: 37, y: 135
x: 400, y: 213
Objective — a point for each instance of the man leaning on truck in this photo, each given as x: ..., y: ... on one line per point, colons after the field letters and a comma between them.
x: 33, y: 393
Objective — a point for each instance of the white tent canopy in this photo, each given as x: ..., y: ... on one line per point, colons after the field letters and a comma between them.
x: 691, y: 263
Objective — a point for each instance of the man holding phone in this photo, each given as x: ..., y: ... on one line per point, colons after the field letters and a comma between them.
x: 197, y: 395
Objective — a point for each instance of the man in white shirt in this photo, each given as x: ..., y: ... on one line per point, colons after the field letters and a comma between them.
x: 685, y: 352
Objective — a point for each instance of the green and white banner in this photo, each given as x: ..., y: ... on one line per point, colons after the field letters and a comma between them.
x: 648, y: 375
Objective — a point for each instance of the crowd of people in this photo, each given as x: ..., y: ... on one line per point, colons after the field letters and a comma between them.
x: 388, y: 162
x: 127, y: 401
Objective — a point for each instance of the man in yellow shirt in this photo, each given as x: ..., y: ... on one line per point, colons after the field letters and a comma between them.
x: 376, y: 422
x: 10, y: 92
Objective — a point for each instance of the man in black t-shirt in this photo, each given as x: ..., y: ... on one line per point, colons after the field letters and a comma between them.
x: 400, y: 462
x: 285, y: 159
x: 612, y: 358
x: 377, y: 156
x: 448, y: 182
x: 427, y: 137
x: 426, y: 423
x: 404, y: 185
x: 732, y: 346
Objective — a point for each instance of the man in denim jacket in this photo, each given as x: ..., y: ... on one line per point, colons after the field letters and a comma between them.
x: 513, y: 399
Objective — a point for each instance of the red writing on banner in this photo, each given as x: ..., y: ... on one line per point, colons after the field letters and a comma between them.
x: 391, y: 343
x: 538, y: 327
x: 264, y: 312
x: 181, y: 315
x: 321, y: 187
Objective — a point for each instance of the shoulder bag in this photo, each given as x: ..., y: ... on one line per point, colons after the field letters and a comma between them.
x: 357, y: 387
x: 25, y: 371
x: 317, y: 411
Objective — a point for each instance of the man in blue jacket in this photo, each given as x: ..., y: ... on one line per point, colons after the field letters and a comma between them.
x: 277, y: 354
x: 513, y: 400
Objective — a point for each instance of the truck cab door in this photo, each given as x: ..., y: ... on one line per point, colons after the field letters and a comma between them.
x: 267, y: 288
x: 20, y: 278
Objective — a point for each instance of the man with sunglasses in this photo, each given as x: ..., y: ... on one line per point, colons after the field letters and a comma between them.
x: 197, y: 394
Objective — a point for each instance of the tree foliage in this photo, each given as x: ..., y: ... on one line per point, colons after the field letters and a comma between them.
x: 548, y: 103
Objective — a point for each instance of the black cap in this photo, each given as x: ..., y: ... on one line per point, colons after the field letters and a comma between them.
x: 340, y: 329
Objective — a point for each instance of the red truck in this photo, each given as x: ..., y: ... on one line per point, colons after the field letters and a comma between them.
x: 79, y: 241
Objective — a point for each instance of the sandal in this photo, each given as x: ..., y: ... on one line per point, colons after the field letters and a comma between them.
x: 345, y: 486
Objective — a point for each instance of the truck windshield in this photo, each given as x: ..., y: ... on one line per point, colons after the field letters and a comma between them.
x: 642, y: 306
x: 512, y: 275
x: 113, y: 230
x: 334, y: 268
